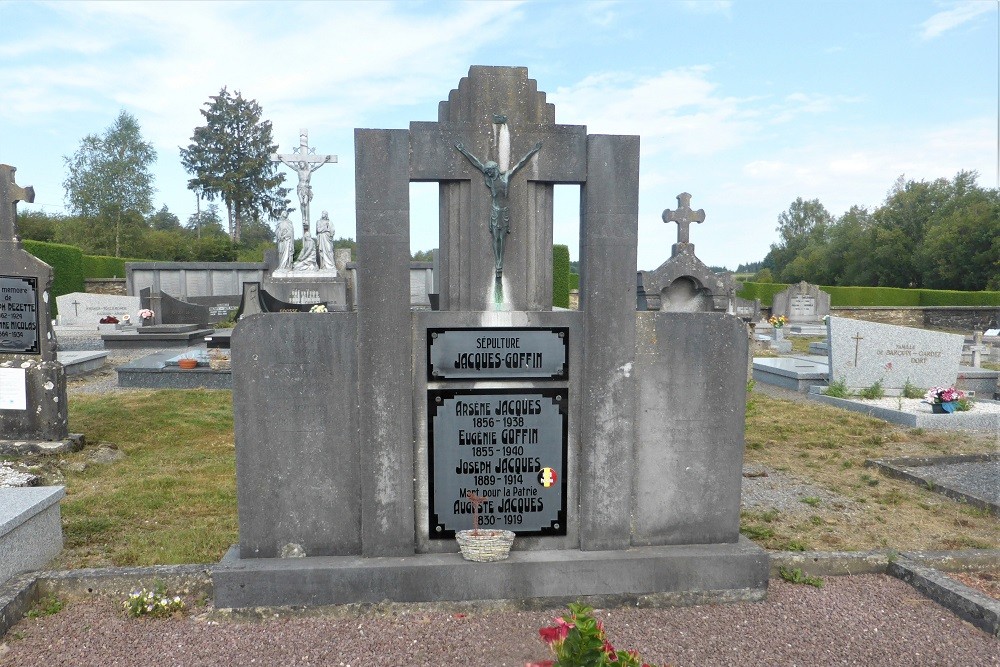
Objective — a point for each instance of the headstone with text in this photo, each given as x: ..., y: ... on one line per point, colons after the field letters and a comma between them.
x: 32, y: 381
x: 863, y: 353
x: 80, y: 309
x: 802, y: 303
x: 609, y: 441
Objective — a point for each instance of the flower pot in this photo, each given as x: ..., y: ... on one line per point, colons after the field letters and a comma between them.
x: 187, y: 364
x: 486, y: 546
x: 944, y: 408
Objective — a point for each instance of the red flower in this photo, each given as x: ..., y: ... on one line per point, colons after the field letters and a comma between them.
x: 610, y: 650
x: 543, y: 663
x: 550, y: 635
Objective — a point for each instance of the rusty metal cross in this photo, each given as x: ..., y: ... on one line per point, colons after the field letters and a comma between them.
x: 684, y: 216
x: 10, y: 194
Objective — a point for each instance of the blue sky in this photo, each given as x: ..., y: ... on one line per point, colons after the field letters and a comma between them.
x: 744, y: 104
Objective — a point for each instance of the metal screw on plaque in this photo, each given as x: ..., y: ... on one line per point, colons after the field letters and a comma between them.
x: 562, y: 334
x: 437, y: 528
x: 434, y: 335
x: 438, y: 400
x: 558, y: 397
x: 556, y: 526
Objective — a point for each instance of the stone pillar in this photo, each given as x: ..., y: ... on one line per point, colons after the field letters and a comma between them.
x: 384, y: 325
x: 609, y: 222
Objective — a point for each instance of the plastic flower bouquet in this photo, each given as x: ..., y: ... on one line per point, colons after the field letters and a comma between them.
x: 145, y: 314
x: 946, y: 397
x: 777, y: 321
x: 579, y: 639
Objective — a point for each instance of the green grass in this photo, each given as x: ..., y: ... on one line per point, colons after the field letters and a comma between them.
x: 171, y: 499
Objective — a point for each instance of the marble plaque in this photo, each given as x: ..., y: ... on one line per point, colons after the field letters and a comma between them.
x: 19, y: 315
x: 466, y: 354
x: 508, y: 446
x: 80, y: 309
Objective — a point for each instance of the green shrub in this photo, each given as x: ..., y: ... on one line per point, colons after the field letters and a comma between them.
x: 67, y: 267
x: 99, y: 266
x: 763, y: 291
x: 911, y: 390
x: 560, y: 276
x: 874, y: 391
x: 838, y: 389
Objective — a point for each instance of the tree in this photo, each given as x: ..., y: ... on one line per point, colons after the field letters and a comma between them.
x: 109, y: 180
x: 230, y: 158
x: 163, y: 220
x: 205, y: 222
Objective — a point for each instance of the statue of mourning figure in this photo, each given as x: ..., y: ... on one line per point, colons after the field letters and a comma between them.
x: 316, y: 252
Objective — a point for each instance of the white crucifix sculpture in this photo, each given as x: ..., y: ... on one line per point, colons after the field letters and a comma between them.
x: 683, y: 216
x: 304, y: 161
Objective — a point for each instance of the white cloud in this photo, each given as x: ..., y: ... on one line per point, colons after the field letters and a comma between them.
x: 960, y: 14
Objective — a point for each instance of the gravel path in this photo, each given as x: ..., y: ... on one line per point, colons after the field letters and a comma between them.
x: 859, y: 620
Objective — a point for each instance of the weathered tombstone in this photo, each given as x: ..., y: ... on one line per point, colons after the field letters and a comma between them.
x: 683, y: 283
x: 863, y: 353
x: 802, y: 304
x: 32, y: 382
x: 611, y: 441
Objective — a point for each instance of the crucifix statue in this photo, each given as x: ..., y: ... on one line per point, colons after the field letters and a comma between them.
x: 683, y: 216
x: 10, y: 194
x: 498, y: 183
x: 304, y: 161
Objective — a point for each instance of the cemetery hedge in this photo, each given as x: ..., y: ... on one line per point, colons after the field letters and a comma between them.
x: 67, y: 267
x: 878, y: 296
x: 97, y: 266
x: 560, y: 276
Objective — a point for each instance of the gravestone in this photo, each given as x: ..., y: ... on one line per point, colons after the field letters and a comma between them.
x: 683, y: 283
x: 609, y: 441
x: 863, y: 353
x: 802, y: 304
x: 79, y: 309
x: 32, y: 381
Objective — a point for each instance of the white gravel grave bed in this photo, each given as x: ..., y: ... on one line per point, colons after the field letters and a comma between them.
x: 915, y: 413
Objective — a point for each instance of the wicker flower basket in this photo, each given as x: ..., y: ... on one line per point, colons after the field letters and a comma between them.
x: 220, y: 364
x: 487, y: 546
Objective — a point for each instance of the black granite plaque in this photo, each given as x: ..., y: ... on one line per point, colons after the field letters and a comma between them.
x: 508, y: 446
x: 509, y: 354
x: 19, y: 315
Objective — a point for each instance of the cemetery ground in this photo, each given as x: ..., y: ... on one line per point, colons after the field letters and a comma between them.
x: 156, y: 486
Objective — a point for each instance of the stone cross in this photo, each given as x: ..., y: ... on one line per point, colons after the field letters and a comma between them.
x: 304, y: 161
x: 10, y: 194
x: 977, y: 348
x: 683, y: 216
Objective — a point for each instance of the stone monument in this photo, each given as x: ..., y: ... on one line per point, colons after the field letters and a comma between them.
x: 802, y: 304
x: 32, y: 381
x: 683, y: 283
x: 312, y: 277
x: 609, y: 441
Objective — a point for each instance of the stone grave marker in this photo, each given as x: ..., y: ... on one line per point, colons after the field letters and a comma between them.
x: 32, y: 381
x: 863, y: 353
x: 802, y: 304
x: 609, y: 440
x: 80, y: 309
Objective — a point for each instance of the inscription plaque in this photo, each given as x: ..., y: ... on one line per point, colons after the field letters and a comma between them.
x: 508, y: 446
x: 468, y: 354
x: 19, y: 315
x: 802, y: 307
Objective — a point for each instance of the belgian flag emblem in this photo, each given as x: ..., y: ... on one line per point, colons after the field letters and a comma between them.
x: 547, y: 477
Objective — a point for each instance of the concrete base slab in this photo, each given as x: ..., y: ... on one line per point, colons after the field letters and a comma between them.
x: 160, y: 371
x: 124, y: 340
x: 30, y: 530
x: 797, y: 373
x: 79, y: 363
x: 965, y: 488
x: 968, y: 604
x: 719, y: 572
x: 71, y: 443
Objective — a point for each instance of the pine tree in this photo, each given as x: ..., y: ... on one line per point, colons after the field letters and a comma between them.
x: 230, y: 158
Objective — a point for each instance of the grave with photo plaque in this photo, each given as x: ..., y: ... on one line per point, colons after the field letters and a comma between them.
x: 609, y: 440
x: 32, y: 381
